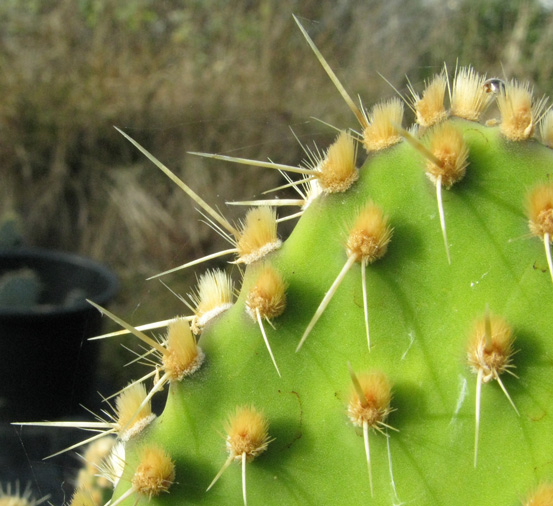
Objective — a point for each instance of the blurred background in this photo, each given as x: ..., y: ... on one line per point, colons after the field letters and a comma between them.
x: 230, y: 77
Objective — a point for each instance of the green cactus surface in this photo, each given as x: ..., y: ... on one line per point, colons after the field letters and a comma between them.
x: 421, y: 312
x: 425, y: 292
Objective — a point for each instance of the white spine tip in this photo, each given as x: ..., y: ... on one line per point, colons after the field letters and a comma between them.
x: 262, y: 328
x: 244, y: 479
x: 442, y: 216
x: 547, y: 245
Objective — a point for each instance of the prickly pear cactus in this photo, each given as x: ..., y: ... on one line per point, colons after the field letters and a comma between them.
x: 395, y: 349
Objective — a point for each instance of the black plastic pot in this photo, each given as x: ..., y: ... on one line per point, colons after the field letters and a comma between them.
x: 47, y: 366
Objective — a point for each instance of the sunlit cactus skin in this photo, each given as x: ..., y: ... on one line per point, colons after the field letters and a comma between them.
x: 423, y: 298
x: 421, y: 311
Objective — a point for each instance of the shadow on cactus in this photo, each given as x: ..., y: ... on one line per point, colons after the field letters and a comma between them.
x: 427, y: 269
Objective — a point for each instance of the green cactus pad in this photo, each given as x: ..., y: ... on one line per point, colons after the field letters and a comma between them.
x: 421, y: 312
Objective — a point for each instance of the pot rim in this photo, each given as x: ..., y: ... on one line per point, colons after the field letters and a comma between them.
x: 71, y: 260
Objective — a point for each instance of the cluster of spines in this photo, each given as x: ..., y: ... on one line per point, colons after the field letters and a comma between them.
x: 490, y: 350
x: 153, y: 475
x: 131, y: 415
x: 542, y: 496
x: 369, y: 406
x: 91, y: 484
x: 16, y: 496
x: 247, y: 437
x: 367, y: 242
x: 489, y: 354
